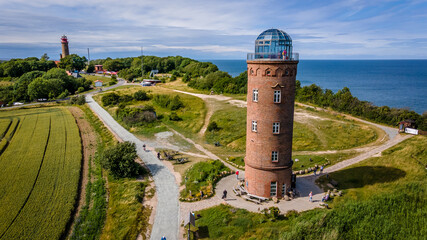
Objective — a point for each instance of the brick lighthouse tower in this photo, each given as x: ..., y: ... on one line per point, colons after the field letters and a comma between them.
x: 272, y: 72
x: 64, y: 42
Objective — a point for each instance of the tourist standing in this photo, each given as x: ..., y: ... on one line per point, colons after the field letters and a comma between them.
x: 143, y: 146
x: 321, y: 169
x: 237, y: 175
x: 315, y: 170
x: 224, y: 194
x: 310, y: 196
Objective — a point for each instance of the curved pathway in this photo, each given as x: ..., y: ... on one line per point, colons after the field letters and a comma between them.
x: 167, y: 212
x: 305, y: 183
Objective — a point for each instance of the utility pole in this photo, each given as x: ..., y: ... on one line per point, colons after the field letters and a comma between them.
x: 142, y: 65
x: 88, y: 57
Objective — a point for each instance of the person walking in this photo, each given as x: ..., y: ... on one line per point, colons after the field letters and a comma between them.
x: 143, y: 146
x: 321, y: 169
x: 310, y: 195
x: 224, y: 194
x: 237, y: 175
x: 158, y: 155
x: 315, y: 170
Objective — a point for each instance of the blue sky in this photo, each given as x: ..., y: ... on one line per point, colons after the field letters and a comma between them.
x: 224, y: 29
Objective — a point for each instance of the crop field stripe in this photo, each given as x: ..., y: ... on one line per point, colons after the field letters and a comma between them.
x: 19, y: 165
x: 35, y: 181
x: 54, y: 195
x: 4, y: 126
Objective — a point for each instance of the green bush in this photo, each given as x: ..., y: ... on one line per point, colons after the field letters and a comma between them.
x: 80, y: 89
x: 110, y: 99
x: 136, y: 116
x: 79, y: 100
x: 141, y: 96
x: 64, y: 94
x: 120, y: 160
x: 174, y: 117
x: 166, y: 101
x: 213, y: 126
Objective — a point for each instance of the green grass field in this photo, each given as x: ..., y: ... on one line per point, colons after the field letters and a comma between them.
x: 384, y: 198
x: 323, y: 132
x: 39, y: 174
x: 192, y: 114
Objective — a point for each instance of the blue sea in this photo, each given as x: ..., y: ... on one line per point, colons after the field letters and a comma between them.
x: 394, y: 83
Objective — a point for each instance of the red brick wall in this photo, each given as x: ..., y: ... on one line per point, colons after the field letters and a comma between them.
x: 260, y: 171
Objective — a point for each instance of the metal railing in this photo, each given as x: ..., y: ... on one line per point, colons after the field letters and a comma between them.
x: 272, y: 56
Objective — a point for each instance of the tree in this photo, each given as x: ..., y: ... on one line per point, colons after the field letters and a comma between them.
x: 73, y: 62
x: 90, y: 68
x: 21, y: 86
x: 45, y: 88
x: 113, y: 65
x: 44, y: 57
x: 120, y: 160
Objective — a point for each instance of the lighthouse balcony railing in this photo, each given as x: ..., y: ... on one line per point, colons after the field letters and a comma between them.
x: 273, y: 56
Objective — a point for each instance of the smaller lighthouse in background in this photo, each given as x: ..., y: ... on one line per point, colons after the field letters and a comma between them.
x: 65, y: 51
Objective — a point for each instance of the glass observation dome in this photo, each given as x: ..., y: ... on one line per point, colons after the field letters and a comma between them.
x: 273, y: 44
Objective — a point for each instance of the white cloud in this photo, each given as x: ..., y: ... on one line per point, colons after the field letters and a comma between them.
x: 223, y: 28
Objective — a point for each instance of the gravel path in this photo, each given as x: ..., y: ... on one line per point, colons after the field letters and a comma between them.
x: 167, y: 211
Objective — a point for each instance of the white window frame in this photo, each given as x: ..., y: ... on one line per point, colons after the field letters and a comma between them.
x: 255, y: 95
x: 273, y: 189
x: 254, y: 126
x: 274, y: 156
x: 284, y: 189
x: 277, y: 96
x: 276, y: 127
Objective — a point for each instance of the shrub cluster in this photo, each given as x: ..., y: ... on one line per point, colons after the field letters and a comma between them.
x: 79, y: 100
x: 110, y: 99
x: 136, y: 116
x: 166, y: 101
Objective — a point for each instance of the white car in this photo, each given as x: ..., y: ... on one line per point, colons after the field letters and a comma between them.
x: 17, y: 103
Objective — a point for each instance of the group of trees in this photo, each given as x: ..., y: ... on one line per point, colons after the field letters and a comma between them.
x: 344, y: 101
x: 52, y: 84
x: 17, y: 67
x: 32, y: 78
x: 221, y: 82
x: 130, y: 68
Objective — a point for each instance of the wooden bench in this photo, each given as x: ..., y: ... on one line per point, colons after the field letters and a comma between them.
x: 236, y: 191
x: 257, y: 197
x: 252, y: 200
x: 242, y: 190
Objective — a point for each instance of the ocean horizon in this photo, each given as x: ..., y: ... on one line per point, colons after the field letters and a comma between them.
x: 393, y: 83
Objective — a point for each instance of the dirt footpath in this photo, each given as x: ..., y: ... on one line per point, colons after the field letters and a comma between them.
x: 88, y: 139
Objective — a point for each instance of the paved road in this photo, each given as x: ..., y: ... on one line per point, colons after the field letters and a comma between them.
x: 167, y: 214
